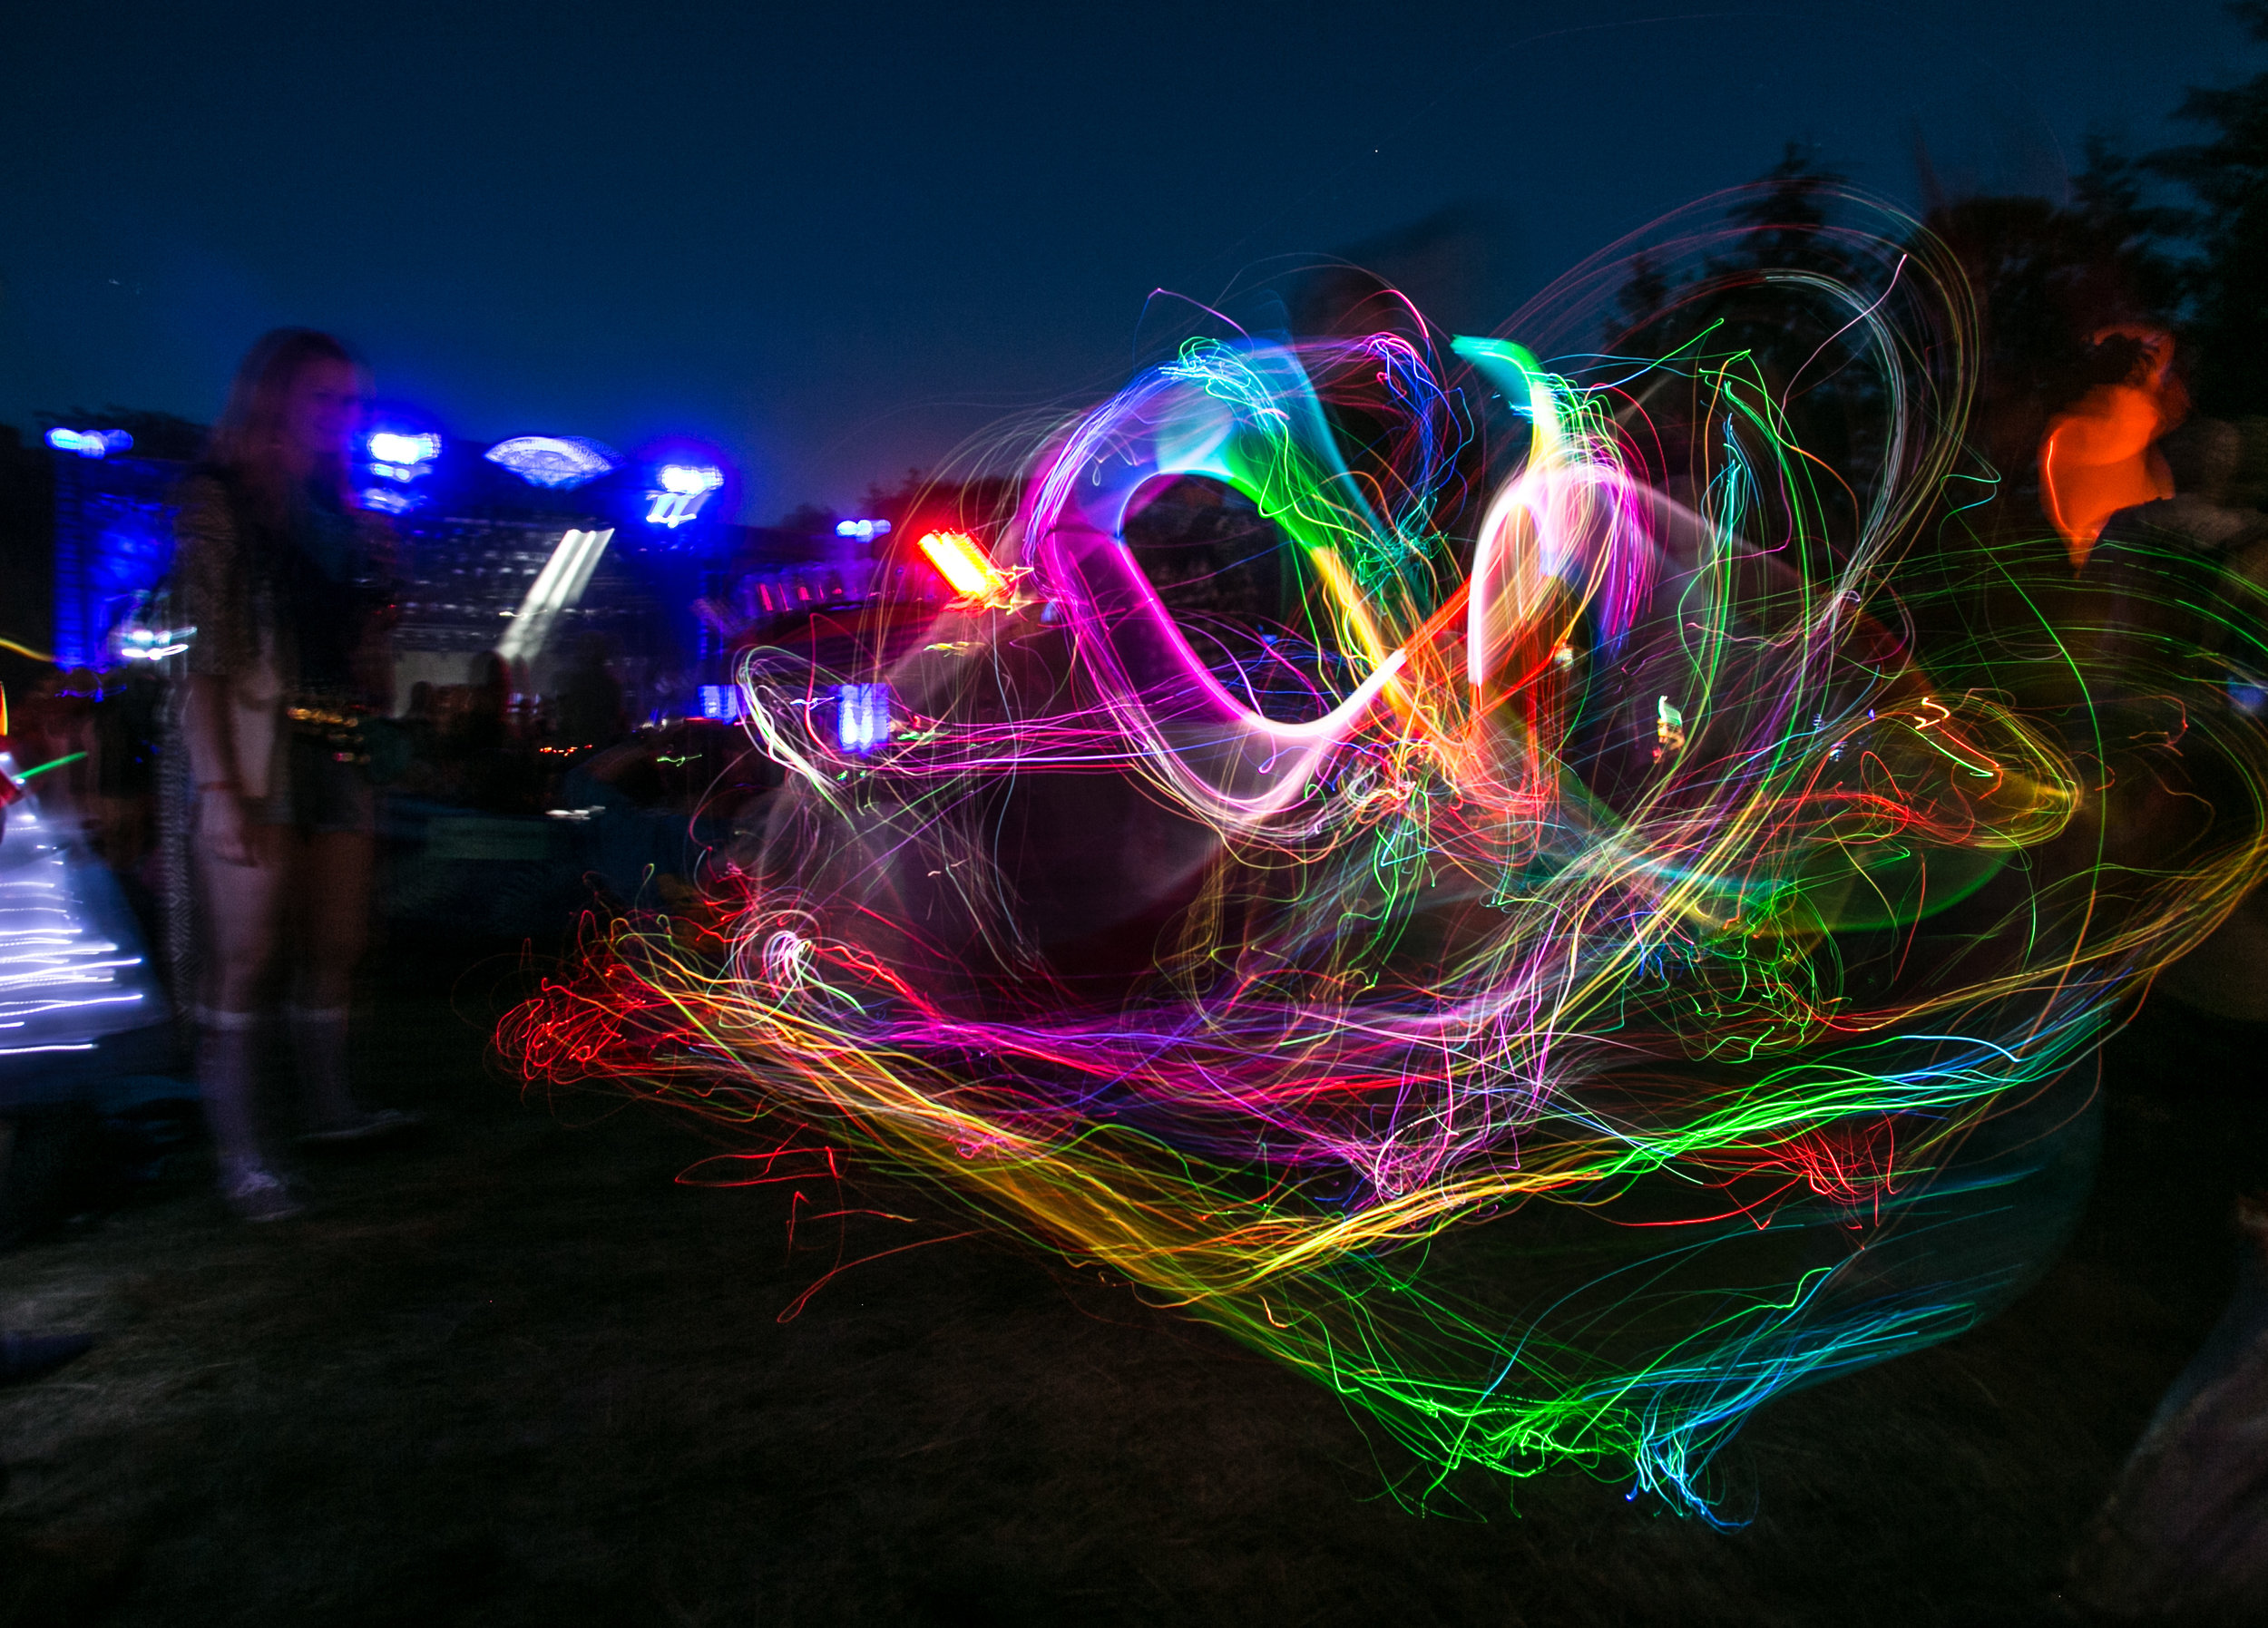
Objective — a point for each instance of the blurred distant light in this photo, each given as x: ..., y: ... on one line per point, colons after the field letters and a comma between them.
x: 862, y: 716
x: 392, y: 446
x: 399, y: 443
x: 866, y: 531
x: 152, y: 644
x: 90, y: 444
x: 560, y: 584
x: 680, y: 490
x: 397, y: 448
x: 390, y: 499
x: 721, y: 702
x: 558, y: 461
x: 673, y: 508
x: 689, y: 479
x: 962, y: 563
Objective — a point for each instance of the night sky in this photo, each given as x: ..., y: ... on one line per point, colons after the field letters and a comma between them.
x: 840, y: 239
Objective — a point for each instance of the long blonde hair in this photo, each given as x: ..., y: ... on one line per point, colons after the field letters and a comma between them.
x: 246, y: 442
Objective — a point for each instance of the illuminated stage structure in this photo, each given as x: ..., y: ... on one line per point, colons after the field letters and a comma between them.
x: 525, y: 547
x: 1623, y: 935
x: 113, y: 541
x: 520, y: 548
x: 777, y: 577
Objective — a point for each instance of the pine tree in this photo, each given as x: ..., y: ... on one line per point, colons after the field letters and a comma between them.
x: 1645, y: 291
x: 2228, y: 282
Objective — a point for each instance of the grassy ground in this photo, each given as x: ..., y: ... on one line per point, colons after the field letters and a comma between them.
x: 517, y: 1374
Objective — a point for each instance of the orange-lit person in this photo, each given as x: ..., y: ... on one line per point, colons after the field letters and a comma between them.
x: 2100, y: 454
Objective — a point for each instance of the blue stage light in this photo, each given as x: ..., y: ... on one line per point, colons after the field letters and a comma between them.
x: 862, y: 716
x: 400, y: 446
x: 136, y: 643
x: 721, y: 702
x: 392, y: 446
x: 390, y: 499
x: 90, y: 444
x: 679, y: 490
x: 690, y: 480
x: 557, y: 461
x: 865, y: 530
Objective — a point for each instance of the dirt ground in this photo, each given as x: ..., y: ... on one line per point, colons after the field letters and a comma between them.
x: 518, y: 1373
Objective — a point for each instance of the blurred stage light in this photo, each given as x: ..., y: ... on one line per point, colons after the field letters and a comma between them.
x: 90, y: 444
x: 401, y: 451
x: 398, y: 445
x: 689, y: 479
x: 387, y: 500
x: 152, y: 644
x: 862, y: 716
x: 680, y: 490
x: 557, y: 586
x: 557, y: 461
x: 721, y: 702
x: 962, y: 563
x: 866, y: 531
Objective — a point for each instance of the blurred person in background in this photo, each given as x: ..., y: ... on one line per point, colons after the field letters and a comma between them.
x: 287, y: 586
x: 590, y: 698
x: 127, y: 727
x: 486, y: 724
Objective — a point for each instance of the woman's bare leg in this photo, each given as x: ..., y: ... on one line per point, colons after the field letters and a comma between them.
x: 243, y: 914
x: 331, y: 919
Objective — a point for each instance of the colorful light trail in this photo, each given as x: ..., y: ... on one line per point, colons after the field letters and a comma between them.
x: 1619, y: 945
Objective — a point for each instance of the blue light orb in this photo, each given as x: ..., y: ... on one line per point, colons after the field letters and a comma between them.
x: 395, y: 447
x: 556, y: 462
x: 399, y: 443
x: 688, y: 480
x: 865, y: 530
x: 90, y: 444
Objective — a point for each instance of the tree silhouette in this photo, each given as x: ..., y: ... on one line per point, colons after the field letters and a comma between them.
x: 2047, y: 279
x: 1744, y: 323
x: 2227, y: 282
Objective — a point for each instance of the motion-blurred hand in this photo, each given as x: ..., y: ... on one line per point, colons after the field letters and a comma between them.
x: 221, y: 824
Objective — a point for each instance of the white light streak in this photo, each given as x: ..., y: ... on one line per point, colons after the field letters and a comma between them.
x: 558, y: 585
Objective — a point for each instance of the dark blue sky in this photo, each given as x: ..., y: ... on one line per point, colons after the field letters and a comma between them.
x: 838, y: 240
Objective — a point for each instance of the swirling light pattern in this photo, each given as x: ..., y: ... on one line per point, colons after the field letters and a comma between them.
x: 1617, y: 946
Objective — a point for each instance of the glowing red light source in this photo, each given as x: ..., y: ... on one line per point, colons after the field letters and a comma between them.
x: 962, y: 563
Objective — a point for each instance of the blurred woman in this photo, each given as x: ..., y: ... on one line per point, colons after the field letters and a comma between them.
x: 288, y: 587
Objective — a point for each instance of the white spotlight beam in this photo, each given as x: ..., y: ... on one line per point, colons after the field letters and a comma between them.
x: 558, y: 585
